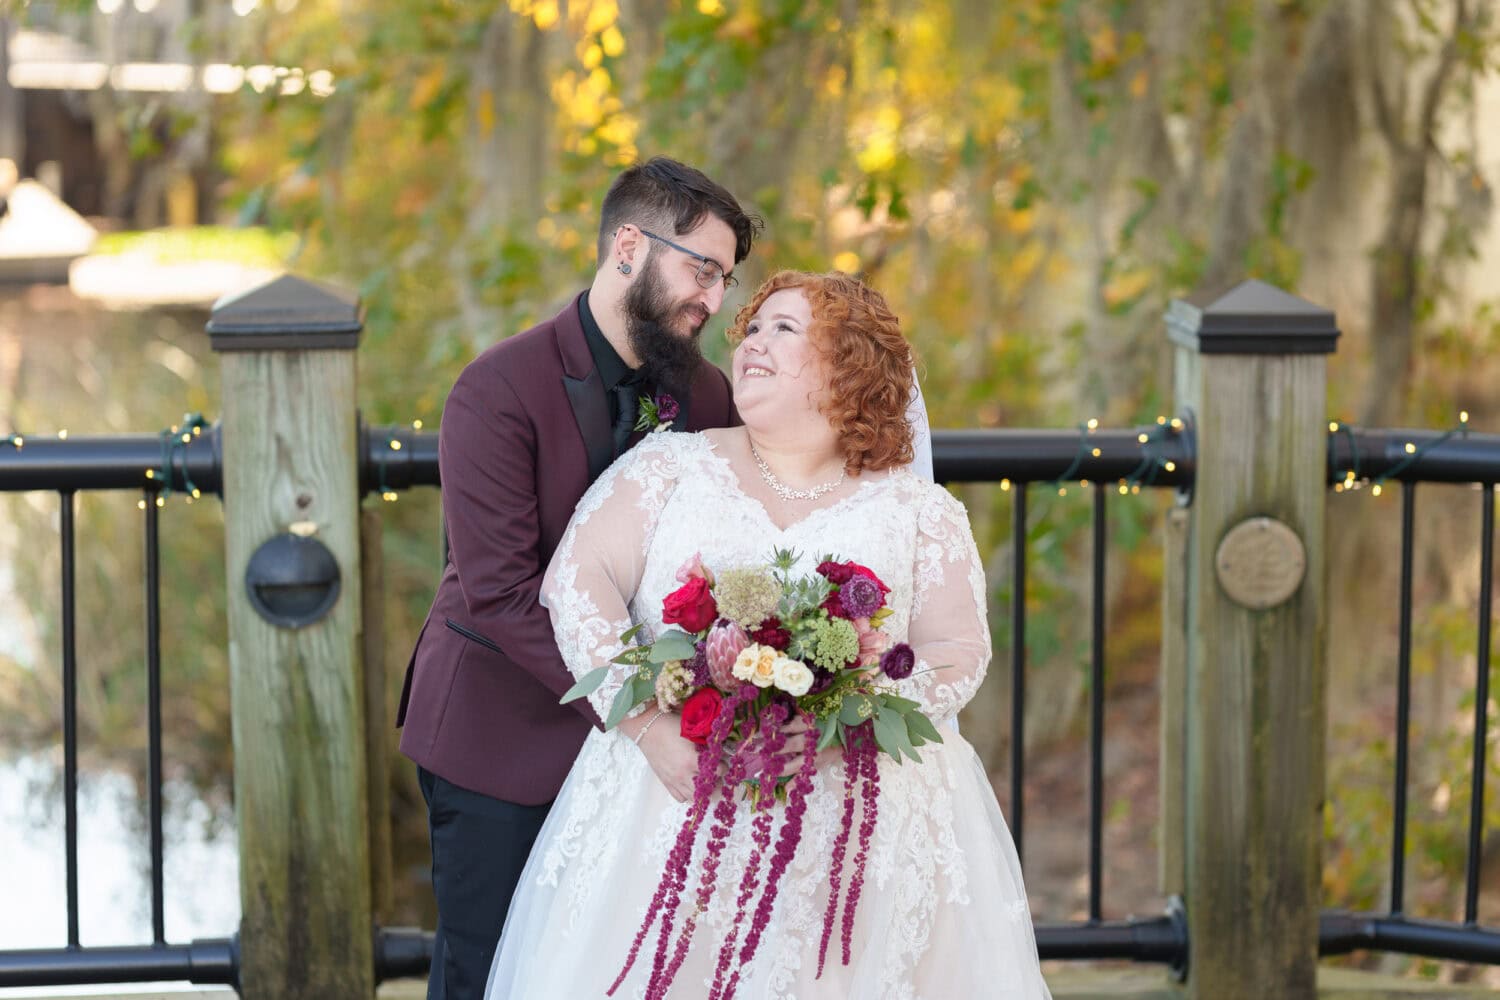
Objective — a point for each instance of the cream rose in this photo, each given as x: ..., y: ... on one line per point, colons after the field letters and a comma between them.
x: 756, y: 664
x: 793, y: 676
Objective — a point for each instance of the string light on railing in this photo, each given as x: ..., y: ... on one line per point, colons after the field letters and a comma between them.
x: 1085, y: 429
x: 1413, y: 453
x: 62, y: 435
x: 15, y: 441
x: 391, y: 444
x: 176, y: 438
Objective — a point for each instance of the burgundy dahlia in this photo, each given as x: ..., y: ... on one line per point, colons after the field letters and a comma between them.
x: 898, y: 661
x: 772, y: 634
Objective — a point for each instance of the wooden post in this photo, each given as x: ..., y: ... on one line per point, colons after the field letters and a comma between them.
x: 291, y: 479
x: 1251, y: 382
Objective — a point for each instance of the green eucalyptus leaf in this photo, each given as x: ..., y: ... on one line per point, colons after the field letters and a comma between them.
x: 587, y: 685
x: 828, y: 732
x: 920, y: 725
x: 673, y: 644
x: 623, y: 703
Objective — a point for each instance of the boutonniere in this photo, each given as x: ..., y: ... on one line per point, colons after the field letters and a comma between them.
x: 656, y: 413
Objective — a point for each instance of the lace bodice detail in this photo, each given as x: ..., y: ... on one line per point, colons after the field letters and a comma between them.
x: 674, y: 495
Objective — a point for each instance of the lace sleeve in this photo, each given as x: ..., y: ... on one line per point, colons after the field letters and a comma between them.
x: 598, y: 565
x: 949, y: 631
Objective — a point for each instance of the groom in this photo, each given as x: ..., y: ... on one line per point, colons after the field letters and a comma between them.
x: 529, y: 424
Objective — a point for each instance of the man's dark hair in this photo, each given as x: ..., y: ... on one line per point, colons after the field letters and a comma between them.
x: 675, y: 197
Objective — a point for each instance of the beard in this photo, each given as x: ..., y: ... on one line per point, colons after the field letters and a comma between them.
x: 662, y: 333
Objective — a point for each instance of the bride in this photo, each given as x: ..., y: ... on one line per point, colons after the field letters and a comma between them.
x: 822, y: 377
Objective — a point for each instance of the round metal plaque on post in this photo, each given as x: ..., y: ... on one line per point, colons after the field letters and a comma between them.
x: 1260, y: 563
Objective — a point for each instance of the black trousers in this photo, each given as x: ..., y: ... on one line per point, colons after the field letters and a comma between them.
x: 479, y: 847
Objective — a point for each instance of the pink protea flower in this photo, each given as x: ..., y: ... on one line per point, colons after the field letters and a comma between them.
x: 725, y: 641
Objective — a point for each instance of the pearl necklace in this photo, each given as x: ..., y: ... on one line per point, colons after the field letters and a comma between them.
x: 786, y: 492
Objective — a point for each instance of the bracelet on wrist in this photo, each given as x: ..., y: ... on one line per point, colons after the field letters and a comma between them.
x: 647, y: 727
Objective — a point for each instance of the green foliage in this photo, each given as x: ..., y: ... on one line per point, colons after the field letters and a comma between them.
x: 251, y: 247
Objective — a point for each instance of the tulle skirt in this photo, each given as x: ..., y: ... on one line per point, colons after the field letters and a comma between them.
x: 942, y: 912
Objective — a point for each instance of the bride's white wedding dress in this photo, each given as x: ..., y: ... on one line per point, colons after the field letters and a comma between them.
x: 943, y: 913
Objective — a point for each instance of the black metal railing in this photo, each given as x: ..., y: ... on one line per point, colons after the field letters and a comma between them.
x: 153, y: 464
x: 184, y: 461
x: 395, y: 458
x: 398, y: 458
x: 1158, y: 455
x: 1412, y: 457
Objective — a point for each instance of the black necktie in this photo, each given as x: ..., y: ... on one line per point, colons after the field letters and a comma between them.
x: 627, y: 404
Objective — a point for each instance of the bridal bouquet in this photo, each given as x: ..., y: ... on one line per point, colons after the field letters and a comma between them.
x: 754, y: 651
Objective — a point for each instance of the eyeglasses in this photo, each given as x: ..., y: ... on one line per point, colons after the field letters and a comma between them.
x: 709, y: 270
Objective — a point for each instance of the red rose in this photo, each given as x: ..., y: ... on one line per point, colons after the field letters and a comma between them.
x: 692, y: 606
x: 840, y: 573
x: 699, y: 713
x: 836, y: 572
x: 869, y: 574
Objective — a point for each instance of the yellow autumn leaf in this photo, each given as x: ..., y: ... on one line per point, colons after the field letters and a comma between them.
x: 619, y: 130
x: 848, y: 262
x: 1126, y: 286
x: 612, y: 41
x: 427, y: 87
x: 544, y: 14
x: 1021, y: 222
x: 879, y: 150
x: 834, y: 80
x: 878, y: 154
x: 1104, y: 45
x: 1021, y: 266
x: 485, y: 113
x: 1138, y: 84
x: 602, y: 14
x: 710, y: 8
x: 593, y: 55
x: 1005, y: 100
x: 563, y: 86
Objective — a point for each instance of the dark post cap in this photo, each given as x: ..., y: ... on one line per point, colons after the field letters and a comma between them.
x: 286, y: 314
x: 1252, y: 318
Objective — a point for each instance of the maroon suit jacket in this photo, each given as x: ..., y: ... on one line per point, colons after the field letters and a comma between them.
x: 525, y: 430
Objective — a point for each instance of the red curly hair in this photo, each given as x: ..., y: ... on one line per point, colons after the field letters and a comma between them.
x: 868, y: 360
